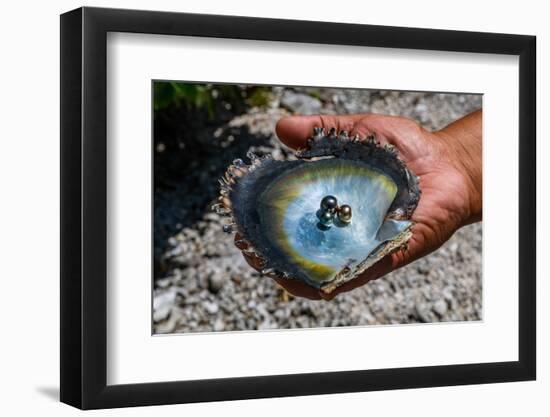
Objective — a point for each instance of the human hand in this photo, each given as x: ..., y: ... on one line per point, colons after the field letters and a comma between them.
x: 447, y: 162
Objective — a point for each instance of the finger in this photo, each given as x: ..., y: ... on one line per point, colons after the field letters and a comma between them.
x: 240, y: 243
x: 294, y: 131
x: 253, y: 260
x: 298, y: 288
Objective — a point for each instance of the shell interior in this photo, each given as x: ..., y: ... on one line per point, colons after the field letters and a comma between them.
x: 275, y: 207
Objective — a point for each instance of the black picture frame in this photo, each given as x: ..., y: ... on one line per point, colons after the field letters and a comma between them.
x: 84, y: 207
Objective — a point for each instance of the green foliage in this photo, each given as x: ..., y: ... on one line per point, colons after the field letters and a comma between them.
x: 207, y: 96
x: 259, y: 96
x: 167, y: 94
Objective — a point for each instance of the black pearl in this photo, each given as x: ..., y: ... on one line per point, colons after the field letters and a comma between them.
x: 326, y: 218
x: 344, y: 213
x: 329, y: 203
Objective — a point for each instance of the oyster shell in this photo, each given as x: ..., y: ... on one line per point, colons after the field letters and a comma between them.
x: 275, y: 207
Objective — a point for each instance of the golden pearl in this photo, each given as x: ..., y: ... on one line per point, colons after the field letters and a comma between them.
x: 344, y: 213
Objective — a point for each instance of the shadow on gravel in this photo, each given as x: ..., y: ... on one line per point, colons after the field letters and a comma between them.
x: 186, y: 181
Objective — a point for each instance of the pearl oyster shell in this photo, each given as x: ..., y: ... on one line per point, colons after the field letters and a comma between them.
x: 274, y: 206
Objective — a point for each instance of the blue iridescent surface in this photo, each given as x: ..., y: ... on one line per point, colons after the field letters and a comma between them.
x: 289, y: 211
x: 341, y: 245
